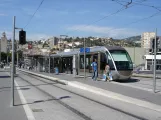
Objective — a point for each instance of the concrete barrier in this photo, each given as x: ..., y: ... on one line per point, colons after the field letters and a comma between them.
x: 46, y: 77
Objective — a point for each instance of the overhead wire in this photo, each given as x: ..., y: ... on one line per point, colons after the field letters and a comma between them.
x: 100, y: 19
x: 153, y: 15
x: 34, y: 13
x: 139, y: 3
x: 121, y: 9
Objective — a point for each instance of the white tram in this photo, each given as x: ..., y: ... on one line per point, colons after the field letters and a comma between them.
x: 118, y: 59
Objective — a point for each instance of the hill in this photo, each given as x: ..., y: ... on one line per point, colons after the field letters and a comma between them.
x: 133, y: 38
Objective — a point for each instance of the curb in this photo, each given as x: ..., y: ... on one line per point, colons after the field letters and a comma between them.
x: 46, y: 77
x: 116, y: 96
x: 145, y: 76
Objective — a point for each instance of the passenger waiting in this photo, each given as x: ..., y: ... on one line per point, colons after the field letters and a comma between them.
x: 107, y: 72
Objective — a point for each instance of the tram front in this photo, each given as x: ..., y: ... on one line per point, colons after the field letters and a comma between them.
x: 122, y: 63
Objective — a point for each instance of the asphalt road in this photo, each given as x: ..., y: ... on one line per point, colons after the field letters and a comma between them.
x: 7, y: 111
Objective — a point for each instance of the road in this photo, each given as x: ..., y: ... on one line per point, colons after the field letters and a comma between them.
x: 7, y: 111
x: 49, y: 100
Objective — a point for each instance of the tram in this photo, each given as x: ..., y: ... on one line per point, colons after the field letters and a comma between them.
x: 118, y: 59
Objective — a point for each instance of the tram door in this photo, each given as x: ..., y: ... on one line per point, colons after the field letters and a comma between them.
x: 58, y: 63
x: 67, y: 66
x: 64, y: 63
x: 95, y: 56
x: 51, y: 65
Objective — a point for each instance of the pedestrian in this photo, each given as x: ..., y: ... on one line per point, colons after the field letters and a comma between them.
x: 107, y: 72
x: 94, y: 67
x: 20, y: 64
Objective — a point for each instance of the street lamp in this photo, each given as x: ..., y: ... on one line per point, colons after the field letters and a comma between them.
x: 13, y: 66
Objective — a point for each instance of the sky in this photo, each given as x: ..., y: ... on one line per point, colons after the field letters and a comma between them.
x: 82, y: 18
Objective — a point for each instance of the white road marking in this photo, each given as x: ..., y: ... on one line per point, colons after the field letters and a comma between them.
x: 26, y: 107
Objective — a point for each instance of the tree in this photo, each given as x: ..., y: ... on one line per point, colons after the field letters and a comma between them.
x: 45, y: 45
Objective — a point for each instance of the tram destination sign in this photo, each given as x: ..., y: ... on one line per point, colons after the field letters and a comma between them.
x: 87, y: 50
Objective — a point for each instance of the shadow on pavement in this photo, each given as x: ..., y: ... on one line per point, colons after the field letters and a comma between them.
x: 132, y: 80
x: 5, y: 71
x: 15, y: 89
x: 40, y: 101
x: 8, y: 87
x: 5, y: 87
x: 4, y: 76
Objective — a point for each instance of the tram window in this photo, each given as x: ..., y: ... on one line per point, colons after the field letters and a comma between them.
x: 109, y: 61
x: 103, y: 61
x: 81, y: 62
x: 87, y: 63
x: 158, y: 61
x: 122, y: 60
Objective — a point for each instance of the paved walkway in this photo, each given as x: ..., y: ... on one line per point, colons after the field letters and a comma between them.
x: 111, y: 86
x: 7, y: 111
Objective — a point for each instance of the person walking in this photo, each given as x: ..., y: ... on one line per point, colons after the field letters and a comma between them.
x: 94, y: 67
x: 107, y: 71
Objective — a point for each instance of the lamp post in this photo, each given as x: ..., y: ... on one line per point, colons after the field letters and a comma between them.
x: 154, y: 71
x: 13, y: 61
x: 84, y: 58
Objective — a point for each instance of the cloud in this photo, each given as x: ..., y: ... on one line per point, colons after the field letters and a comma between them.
x: 108, y: 31
x: 2, y: 14
x: 82, y: 12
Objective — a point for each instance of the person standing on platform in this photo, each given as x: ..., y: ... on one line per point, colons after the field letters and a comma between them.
x: 107, y: 72
x: 94, y: 67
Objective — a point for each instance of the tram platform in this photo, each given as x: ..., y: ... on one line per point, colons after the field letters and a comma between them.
x: 138, y: 94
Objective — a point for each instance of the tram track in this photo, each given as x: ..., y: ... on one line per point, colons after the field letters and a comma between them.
x: 80, y: 114
x: 69, y: 107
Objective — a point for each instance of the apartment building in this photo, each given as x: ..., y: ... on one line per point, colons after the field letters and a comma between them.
x: 146, y: 39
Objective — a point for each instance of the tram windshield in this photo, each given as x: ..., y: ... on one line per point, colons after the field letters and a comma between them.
x: 122, y: 59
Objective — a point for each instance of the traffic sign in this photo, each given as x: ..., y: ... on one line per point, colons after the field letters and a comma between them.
x: 86, y: 50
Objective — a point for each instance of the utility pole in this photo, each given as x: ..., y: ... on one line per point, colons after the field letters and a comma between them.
x: 154, y: 71
x: 12, y: 72
x: 84, y: 58
x: 17, y: 54
x: 134, y: 52
x: 0, y: 51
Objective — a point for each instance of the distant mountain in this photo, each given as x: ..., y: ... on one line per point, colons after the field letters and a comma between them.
x: 133, y: 38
